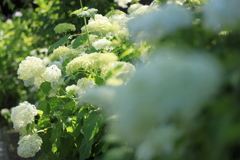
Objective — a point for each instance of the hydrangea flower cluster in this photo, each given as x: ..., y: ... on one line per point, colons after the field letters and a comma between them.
x: 23, y: 114
x: 102, y: 44
x: 62, y: 51
x: 82, y: 86
x: 64, y: 27
x: 123, y: 71
x: 111, y: 26
x: 30, y: 67
x: 91, y: 61
x: 51, y: 74
x: 29, y: 145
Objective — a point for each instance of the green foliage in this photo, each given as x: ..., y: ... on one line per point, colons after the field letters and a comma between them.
x: 74, y: 129
x: 60, y: 42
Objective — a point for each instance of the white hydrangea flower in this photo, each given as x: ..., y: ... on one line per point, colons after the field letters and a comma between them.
x: 220, y: 14
x: 90, y: 61
x: 134, y: 7
x: 62, y: 51
x: 143, y: 9
x: 99, y: 23
x: 119, y: 70
x: 38, y: 81
x: 74, y: 88
x: 23, y: 114
x: 30, y: 67
x: 157, y: 24
x: 52, y: 73
x: 120, y: 19
x: 46, y: 61
x: 29, y: 145
x: 85, y: 84
x: 102, y: 44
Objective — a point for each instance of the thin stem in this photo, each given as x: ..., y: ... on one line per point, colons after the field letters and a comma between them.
x: 85, y: 24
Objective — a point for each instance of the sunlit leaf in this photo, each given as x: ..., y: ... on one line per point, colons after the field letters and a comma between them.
x: 88, y: 13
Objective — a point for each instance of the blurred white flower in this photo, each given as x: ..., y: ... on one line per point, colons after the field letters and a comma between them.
x: 17, y: 14
x: 157, y: 24
x: 23, y: 114
x: 5, y: 111
x: 29, y: 145
x: 158, y: 142
x: 221, y: 14
x: 98, y: 24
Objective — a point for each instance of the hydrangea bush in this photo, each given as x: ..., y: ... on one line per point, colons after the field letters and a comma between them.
x: 130, y: 86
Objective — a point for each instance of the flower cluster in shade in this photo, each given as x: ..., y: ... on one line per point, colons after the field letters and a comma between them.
x: 29, y: 145
x: 23, y: 114
x: 64, y: 27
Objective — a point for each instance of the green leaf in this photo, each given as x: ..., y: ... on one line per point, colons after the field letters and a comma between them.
x: 98, y: 80
x: 64, y: 148
x: 59, y: 43
x: 44, y: 122
x: 74, y: 128
x: 79, y: 10
x: 85, y: 149
x: 88, y: 13
x: 70, y: 105
x: 56, y: 135
x: 92, y: 124
x: 127, y: 52
x: 54, y: 103
x: 46, y: 87
x: 44, y: 107
x: 80, y: 40
x: 83, y: 111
